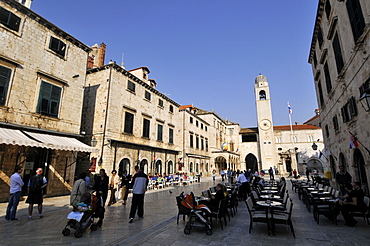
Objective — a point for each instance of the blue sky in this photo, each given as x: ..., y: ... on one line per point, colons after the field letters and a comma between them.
x: 205, y: 52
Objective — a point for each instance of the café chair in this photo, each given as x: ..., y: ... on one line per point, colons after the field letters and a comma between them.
x: 365, y: 213
x: 220, y: 213
x: 284, y: 218
x: 257, y: 216
x: 181, y: 209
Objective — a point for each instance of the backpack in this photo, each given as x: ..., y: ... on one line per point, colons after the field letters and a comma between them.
x: 35, y: 183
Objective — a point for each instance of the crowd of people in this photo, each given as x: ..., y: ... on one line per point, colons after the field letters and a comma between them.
x: 119, y: 185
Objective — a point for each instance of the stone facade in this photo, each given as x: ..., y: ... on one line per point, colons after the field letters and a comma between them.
x: 35, y: 57
x: 340, y: 62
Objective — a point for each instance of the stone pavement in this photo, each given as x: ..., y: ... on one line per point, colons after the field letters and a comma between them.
x: 159, y: 225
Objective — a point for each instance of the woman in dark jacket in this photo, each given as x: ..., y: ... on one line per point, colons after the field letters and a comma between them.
x: 101, y: 189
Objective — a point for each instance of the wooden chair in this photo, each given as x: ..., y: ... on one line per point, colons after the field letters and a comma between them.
x: 257, y: 216
x: 283, y: 217
x: 220, y: 213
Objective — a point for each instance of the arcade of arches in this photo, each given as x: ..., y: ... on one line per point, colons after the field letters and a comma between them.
x: 221, y: 163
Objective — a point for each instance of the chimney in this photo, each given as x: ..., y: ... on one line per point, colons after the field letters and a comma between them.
x: 98, y: 55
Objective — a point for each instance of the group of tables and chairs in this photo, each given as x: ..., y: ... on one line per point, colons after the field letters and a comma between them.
x: 324, y: 200
x: 270, y: 204
x: 226, y: 208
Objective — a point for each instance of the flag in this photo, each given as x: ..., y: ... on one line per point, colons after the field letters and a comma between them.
x: 321, y: 154
x: 353, y: 142
x: 289, y: 109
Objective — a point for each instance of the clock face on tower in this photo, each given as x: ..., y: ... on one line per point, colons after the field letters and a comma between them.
x: 265, y: 124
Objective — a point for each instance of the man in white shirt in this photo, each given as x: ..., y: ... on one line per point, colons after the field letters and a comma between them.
x: 16, y: 184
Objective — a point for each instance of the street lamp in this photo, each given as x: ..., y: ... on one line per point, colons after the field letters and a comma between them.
x: 365, y: 100
x: 94, y: 142
x: 314, y: 146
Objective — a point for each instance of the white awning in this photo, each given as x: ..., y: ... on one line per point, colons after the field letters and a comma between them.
x: 16, y: 137
x: 61, y: 143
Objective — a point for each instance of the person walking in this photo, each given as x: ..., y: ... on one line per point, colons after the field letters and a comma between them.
x: 139, y: 184
x: 214, y: 175
x: 223, y: 173
x: 230, y: 175
x: 16, y: 184
x: 113, y: 186
x: 126, y: 178
x: 78, y: 189
x: 36, y: 186
x: 101, y: 189
x: 271, y: 173
x: 308, y: 174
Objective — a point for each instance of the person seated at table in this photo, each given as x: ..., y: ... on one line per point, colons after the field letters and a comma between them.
x: 258, y: 182
x: 281, y: 182
x: 349, y: 202
x: 214, y: 200
x: 361, y: 206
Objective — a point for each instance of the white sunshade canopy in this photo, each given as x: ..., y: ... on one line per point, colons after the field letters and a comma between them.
x: 16, y: 137
x: 61, y: 143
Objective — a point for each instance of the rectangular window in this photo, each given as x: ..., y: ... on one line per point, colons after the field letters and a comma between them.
x: 129, y: 123
x: 206, y: 144
x: 314, y: 59
x: 49, y: 99
x: 335, y: 122
x: 148, y: 95
x: 202, y: 144
x: 170, y: 135
x: 321, y: 96
x: 191, y: 120
x: 197, y: 142
x: 196, y: 123
x: 338, y: 53
x: 146, y: 128
x: 327, y: 78
x: 349, y: 110
x: 160, y: 103
x: 171, y: 108
x: 327, y: 9
x: 5, y: 74
x: 356, y: 18
x: 191, y: 140
x: 319, y: 37
x: 57, y: 46
x: 131, y: 86
x: 9, y: 19
x: 160, y: 132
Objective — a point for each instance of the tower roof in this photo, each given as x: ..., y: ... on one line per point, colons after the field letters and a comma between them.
x: 261, y: 78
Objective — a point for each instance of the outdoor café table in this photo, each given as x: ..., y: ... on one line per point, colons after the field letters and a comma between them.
x: 269, y: 191
x: 270, y: 188
x: 269, y: 205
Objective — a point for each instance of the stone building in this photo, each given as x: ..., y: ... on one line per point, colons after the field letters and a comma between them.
x: 131, y: 122
x: 42, y: 74
x: 339, y: 56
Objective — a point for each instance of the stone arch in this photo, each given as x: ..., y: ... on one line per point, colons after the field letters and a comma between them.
x: 361, y: 169
x: 315, y: 163
x: 220, y: 163
x: 170, y: 167
x: 191, y: 167
x: 342, y: 161
x: 124, y: 164
x: 251, y: 162
x: 158, y: 166
x: 144, y: 165
x: 262, y: 95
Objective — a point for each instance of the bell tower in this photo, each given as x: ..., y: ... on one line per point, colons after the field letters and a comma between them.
x: 267, y: 149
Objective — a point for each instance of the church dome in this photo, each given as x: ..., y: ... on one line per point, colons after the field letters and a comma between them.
x: 261, y: 78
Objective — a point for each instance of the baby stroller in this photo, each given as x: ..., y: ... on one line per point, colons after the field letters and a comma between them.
x: 198, y: 216
x: 83, y: 215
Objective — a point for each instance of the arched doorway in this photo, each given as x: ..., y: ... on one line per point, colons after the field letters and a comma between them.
x: 342, y: 161
x: 288, y: 165
x: 333, y: 168
x: 220, y: 163
x: 144, y: 165
x: 315, y: 163
x: 251, y: 162
x: 170, y: 167
x: 158, y: 166
x: 197, y: 168
x: 124, y: 165
x: 191, y: 167
x: 361, y: 170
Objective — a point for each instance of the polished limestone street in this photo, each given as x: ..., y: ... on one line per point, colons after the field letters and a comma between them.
x: 159, y: 225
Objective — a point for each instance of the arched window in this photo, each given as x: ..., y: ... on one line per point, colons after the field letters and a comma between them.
x: 262, y: 95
